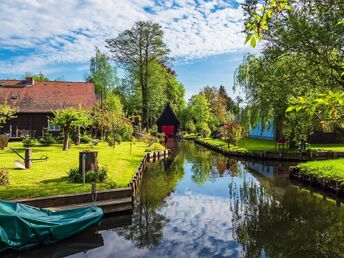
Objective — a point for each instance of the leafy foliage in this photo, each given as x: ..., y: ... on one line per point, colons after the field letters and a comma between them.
x: 102, y: 74
x: 4, y: 176
x: 6, y: 113
x: 70, y: 118
x: 47, y: 139
x: 29, y: 142
x: 135, y: 50
x: 90, y: 176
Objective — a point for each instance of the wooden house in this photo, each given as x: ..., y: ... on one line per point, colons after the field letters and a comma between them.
x: 35, y: 101
x: 168, y: 122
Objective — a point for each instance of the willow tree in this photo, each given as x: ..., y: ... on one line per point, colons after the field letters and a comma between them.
x: 135, y: 49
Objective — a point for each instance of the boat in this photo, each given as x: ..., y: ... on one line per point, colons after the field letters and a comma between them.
x: 23, y: 226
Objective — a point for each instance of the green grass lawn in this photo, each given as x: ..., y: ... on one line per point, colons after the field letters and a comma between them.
x: 332, y: 147
x: 247, y: 144
x: 251, y: 144
x: 326, y: 168
x: 50, y: 177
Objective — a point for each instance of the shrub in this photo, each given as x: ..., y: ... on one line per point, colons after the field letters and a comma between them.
x: 155, y: 147
x: 29, y: 142
x: 102, y: 174
x: 203, y: 129
x: 4, y: 176
x: 74, y: 175
x: 85, y: 138
x: 3, y: 141
x: 90, y: 176
x: 47, y: 139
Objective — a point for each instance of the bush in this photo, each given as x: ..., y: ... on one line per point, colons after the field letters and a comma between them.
x: 85, y: 138
x: 203, y: 129
x: 90, y: 176
x: 3, y: 141
x: 47, y: 139
x: 29, y: 142
x: 155, y: 147
x: 74, y: 175
x: 4, y: 176
x: 102, y: 174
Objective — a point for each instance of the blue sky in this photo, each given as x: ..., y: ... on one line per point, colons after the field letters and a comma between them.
x: 58, y: 37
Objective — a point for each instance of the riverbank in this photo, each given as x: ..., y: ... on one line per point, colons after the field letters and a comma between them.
x: 283, y: 155
x: 328, y: 174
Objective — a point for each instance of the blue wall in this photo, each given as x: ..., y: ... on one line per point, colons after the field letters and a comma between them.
x: 268, y: 133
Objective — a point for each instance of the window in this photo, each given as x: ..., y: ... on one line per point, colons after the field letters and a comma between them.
x: 52, y: 127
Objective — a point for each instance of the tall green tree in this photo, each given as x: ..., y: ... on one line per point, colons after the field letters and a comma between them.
x: 135, y: 49
x: 102, y: 74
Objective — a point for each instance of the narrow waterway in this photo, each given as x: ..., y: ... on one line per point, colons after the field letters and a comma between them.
x: 199, y: 203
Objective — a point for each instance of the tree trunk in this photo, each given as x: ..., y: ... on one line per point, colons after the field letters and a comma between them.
x: 78, y: 136
x: 66, y: 137
x: 279, y: 128
x: 91, y: 161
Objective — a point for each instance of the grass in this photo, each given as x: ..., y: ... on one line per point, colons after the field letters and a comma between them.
x: 247, y: 144
x: 331, y: 147
x: 332, y: 169
x: 251, y: 144
x: 50, y: 178
x: 189, y: 136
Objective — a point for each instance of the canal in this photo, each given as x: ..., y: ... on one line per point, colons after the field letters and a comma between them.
x: 199, y: 203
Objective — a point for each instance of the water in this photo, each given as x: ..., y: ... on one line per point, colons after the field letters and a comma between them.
x: 201, y: 204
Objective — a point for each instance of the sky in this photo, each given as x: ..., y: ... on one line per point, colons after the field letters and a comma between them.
x: 58, y: 37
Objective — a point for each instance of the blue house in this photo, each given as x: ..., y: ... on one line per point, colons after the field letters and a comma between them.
x: 268, y: 133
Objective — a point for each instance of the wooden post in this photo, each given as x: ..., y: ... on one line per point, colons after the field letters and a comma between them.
x: 91, y: 161
x: 28, y: 155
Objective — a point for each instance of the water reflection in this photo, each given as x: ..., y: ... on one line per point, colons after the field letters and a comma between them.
x: 202, y: 204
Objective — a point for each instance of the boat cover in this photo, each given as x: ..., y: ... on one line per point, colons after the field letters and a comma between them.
x: 23, y: 226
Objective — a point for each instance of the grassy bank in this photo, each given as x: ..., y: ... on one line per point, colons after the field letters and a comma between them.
x: 50, y: 178
x: 250, y: 144
x: 331, y: 169
x: 247, y: 144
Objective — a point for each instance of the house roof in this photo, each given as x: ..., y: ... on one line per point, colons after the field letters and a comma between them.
x: 28, y: 96
x: 168, y: 109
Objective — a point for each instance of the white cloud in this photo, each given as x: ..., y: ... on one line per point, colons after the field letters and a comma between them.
x: 66, y: 31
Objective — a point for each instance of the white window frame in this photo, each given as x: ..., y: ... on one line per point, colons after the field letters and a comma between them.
x: 52, y: 127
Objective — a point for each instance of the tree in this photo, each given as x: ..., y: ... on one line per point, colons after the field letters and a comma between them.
x: 102, y: 74
x: 135, y: 49
x: 303, y: 55
x: 6, y: 113
x: 198, y: 111
x: 220, y: 103
x: 69, y: 118
x: 325, y: 107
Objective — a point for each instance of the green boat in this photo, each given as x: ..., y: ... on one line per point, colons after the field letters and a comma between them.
x: 23, y: 226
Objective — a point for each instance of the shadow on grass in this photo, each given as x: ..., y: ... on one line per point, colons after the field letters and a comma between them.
x: 63, y: 179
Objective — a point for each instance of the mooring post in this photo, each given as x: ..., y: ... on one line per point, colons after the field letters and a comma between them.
x: 28, y: 154
x: 83, y: 167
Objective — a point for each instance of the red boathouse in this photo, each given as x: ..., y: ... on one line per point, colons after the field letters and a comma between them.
x: 168, y: 122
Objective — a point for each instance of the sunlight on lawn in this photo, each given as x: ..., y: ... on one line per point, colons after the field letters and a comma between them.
x: 50, y: 177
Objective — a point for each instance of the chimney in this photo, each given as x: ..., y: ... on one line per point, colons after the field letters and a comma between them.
x: 29, y: 81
